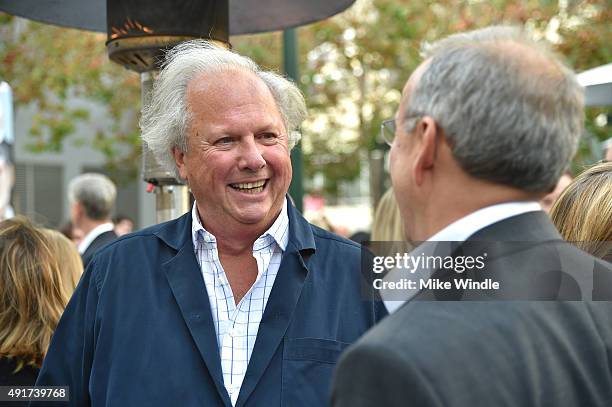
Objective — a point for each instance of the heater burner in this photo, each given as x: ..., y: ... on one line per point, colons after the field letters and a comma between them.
x: 145, y: 53
x: 138, y: 34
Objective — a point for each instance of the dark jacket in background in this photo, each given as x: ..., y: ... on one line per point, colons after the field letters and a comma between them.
x: 25, y: 377
x: 98, y: 243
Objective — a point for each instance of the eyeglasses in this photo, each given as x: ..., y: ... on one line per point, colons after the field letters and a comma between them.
x: 388, y: 127
x: 387, y: 131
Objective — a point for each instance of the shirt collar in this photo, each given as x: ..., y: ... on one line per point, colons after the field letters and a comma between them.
x: 93, y: 234
x: 278, y: 232
x: 465, y: 227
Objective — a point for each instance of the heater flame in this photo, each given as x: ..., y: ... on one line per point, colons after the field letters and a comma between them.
x: 130, y: 27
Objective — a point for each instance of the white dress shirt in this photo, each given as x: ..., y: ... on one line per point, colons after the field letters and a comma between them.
x: 458, y: 231
x: 237, y: 324
x: 95, y: 232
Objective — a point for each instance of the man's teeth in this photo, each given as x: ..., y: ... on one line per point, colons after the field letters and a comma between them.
x: 250, y: 187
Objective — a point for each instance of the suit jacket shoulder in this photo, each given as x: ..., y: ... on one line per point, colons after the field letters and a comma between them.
x: 97, y: 244
x: 494, y: 353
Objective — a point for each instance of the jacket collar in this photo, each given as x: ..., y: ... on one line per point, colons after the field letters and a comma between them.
x: 526, y: 227
x: 300, y: 233
x: 176, y: 233
x: 184, y: 277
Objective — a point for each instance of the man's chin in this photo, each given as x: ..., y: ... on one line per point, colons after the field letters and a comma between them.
x: 257, y: 213
x: 252, y: 215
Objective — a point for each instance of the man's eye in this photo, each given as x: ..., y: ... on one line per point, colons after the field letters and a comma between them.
x: 267, y: 137
x: 224, y: 141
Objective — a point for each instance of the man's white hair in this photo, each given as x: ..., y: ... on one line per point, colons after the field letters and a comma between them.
x: 166, y: 119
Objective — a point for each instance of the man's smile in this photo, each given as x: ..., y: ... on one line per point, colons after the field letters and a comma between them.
x: 250, y: 187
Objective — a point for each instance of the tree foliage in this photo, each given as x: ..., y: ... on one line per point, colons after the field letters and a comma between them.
x: 362, y: 58
x: 61, y: 72
x: 353, y: 67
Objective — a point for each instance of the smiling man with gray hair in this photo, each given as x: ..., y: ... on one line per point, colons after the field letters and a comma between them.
x: 239, y: 302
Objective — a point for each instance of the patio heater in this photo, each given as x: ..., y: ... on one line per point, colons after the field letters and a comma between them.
x: 139, y: 31
x: 137, y: 37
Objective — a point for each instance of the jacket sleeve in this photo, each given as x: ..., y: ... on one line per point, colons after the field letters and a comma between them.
x: 373, y: 375
x: 69, y: 358
x: 379, y: 311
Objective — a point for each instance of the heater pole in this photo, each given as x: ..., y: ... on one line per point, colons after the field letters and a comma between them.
x: 290, y: 64
x: 171, y: 197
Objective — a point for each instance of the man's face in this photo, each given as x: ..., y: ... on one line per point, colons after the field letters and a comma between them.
x: 76, y: 211
x: 237, y: 162
x: 402, y: 157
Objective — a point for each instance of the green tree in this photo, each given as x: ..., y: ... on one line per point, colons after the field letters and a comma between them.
x: 353, y: 68
x: 362, y: 58
x: 51, y: 68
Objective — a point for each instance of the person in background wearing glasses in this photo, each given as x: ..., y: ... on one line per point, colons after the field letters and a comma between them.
x: 485, y: 127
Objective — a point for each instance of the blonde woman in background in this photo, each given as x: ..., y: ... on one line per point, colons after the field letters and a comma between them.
x: 387, y: 225
x: 70, y: 263
x: 583, y: 212
x: 39, y: 269
x: 388, y: 236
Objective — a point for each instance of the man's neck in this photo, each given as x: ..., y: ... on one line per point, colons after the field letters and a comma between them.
x: 444, y: 210
x: 92, y: 234
x: 87, y: 225
x: 236, y: 239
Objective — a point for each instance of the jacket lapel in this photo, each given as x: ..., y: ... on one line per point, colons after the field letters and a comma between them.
x: 515, y: 234
x: 282, y: 302
x: 183, y: 274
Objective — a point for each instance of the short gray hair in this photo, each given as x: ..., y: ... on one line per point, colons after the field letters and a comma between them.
x: 95, y: 192
x: 513, y: 118
x: 166, y: 119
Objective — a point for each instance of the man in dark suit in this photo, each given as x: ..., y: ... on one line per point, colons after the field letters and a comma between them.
x: 239, y: 302
x: 92, y: 198
x: 486, y: 125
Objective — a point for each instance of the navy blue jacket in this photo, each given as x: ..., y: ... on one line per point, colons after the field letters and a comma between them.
x: 139, y: 332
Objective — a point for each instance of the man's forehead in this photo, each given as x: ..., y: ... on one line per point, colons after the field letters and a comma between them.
x: 409, y: 87
x: 222, y: 81
x: 230, y: 98
x: 415, y: 77
x: 225, y: 90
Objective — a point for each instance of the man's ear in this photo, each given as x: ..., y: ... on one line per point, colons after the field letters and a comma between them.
x: 179, y: 159
x: 427, y: 133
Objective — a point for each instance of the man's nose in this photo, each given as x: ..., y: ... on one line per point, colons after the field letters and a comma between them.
x: 251, y: 155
